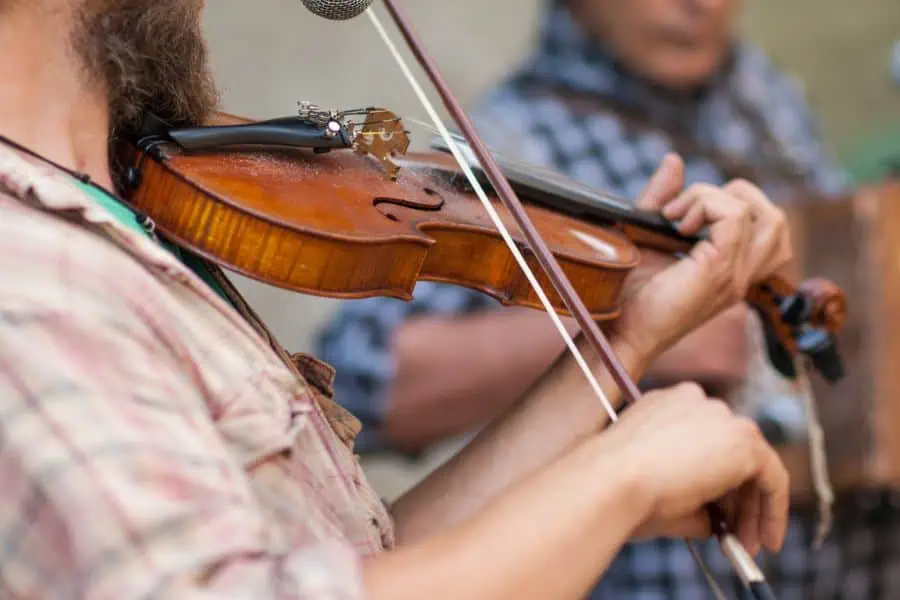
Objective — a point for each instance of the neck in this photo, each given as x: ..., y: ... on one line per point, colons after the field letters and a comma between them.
x: 44, y: 103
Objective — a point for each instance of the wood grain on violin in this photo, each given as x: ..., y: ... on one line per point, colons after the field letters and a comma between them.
x: 351, y: 224
x: 334, y: 225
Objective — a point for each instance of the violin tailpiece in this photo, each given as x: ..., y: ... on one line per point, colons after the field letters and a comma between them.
x: 383, y: 137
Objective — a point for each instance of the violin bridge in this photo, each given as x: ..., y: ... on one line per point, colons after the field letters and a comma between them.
x: 382, y: 136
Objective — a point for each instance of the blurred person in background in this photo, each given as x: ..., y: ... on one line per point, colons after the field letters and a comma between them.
x: 610, y: 88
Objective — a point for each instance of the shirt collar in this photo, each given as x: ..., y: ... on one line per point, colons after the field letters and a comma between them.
x: 49, y: 189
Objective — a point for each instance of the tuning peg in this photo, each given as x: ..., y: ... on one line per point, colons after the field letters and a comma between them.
x: 822, y: 349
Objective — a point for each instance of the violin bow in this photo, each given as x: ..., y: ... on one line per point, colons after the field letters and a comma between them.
x: 740, y: 559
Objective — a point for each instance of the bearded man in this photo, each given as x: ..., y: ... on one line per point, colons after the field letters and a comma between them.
x: 155, y: 443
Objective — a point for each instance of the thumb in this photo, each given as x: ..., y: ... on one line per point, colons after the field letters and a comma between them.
x: 665, y: 184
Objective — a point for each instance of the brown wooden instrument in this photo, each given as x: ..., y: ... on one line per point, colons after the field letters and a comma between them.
x: 334, y: 225
x: 328, y: 224
x: 343, y: 225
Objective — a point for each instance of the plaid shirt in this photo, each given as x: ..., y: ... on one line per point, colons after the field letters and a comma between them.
x: 152, y: 442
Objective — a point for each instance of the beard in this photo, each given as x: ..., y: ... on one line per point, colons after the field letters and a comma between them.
x: 147, y: 55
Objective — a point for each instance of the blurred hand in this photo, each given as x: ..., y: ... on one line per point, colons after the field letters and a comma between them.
x: 748, y: 241
x: 686, y: 450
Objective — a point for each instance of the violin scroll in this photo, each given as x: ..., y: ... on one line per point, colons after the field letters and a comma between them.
x: 828, y: 304
x: 801, y: 321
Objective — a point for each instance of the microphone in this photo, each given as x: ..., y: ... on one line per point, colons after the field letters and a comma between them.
x: 337, y: 10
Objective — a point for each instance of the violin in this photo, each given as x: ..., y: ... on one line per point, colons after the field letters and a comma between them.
x: 279, y: 202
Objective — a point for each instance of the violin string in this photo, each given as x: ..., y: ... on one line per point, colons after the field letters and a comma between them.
x: 498, y: 223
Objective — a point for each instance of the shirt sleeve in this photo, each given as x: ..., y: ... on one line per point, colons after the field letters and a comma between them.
x: 115, y: 482
x: 357, y: 343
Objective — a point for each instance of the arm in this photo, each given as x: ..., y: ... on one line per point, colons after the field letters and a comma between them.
x: 558, y: 413
x: 454, y: 371
x: 479, y: 365
x: 123, y: 441
x: 715, y: 355
x: 454, y: 374
x: 554, y: 533
x: 400, y: 365
x: 661, y: 310
x: 550, y: 536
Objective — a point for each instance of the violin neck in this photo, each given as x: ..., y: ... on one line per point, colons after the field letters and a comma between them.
x: 562, y: 194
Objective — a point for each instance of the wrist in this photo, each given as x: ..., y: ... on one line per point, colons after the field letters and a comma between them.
x: 636, y: 358
x: 621, y: 483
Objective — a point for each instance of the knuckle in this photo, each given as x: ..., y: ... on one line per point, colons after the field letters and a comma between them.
x: 739, y: 185
x: 736, y: 290
x: 691, y: 390
x: 784, y: 475
x: 742, y: 211
x: 719, y: 407
x: 748, y: 429
x: 702, y: 189
x: 779, y: 218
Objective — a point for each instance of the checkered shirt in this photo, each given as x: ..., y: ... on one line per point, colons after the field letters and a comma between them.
x: 860, y: 560
x: 152, y: 442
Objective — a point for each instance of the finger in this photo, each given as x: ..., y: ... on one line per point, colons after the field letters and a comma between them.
x: 676, y: 207
x: 747, y: 192
x: 724, y: 255
x: 765, y: 249
x: 772, y: 237
x: 701, y: 206
x: 665, y: 184
x: 773, y: 486
x: 693, y: 526
x: 748, y: 528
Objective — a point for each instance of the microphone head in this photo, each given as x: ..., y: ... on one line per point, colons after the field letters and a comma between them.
x: 337, y: 10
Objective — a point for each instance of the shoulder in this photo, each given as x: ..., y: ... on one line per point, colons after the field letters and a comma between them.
x: 53, y: 261
x: 757, y: 75
x: 788, y: 111
x: 515, y: 124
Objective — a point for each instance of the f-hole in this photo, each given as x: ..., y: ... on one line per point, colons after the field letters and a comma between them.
x: 428, y: 201
x: 432, y: 201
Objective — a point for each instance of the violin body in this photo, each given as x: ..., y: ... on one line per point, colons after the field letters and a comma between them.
x: 332, y: 224
x: 376, y: 221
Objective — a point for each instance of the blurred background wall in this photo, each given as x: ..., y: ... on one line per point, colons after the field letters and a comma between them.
x: 269, y: 54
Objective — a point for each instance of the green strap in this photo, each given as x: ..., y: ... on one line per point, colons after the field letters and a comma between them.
x: 129, y: 219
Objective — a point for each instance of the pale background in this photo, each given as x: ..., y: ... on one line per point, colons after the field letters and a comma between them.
x: 269, y: 54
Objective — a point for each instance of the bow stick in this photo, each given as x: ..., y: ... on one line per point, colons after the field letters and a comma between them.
x: 737, y: 555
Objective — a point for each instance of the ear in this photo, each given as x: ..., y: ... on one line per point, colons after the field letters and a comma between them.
x: 665, y: 184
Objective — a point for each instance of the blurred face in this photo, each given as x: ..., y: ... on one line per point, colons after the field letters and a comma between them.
x: 678, y: 44
x: 147, y: 54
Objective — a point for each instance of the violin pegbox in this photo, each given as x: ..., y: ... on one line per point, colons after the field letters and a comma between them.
x: 382, y: 136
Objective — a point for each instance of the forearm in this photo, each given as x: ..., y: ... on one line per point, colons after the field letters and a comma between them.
x: 715, y: 355
x: 551, y: 536
x: 560, y: 411
x: 455, y: 374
